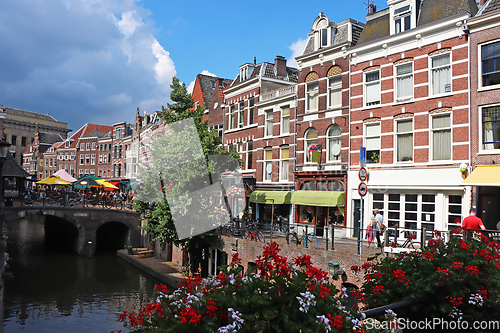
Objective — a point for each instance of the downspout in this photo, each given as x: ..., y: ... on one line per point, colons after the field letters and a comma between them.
x: 292, y: 215
x: 469, y: 122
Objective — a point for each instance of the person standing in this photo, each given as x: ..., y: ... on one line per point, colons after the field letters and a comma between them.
x: 472, y: 221
x: 379, y: 221
x: 369, y: 230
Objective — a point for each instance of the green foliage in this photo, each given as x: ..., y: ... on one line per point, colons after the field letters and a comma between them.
x: 178, y: 168
x: 458, y: 280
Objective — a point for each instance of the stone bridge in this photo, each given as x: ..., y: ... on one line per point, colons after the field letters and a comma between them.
x: 85, y: 223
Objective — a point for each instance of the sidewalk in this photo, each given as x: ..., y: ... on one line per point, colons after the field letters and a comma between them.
x: 158, y: 267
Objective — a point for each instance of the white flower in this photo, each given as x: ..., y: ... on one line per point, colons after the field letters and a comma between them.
x: 306, y: 301
x: 232, y: 280
x: 324, y: 321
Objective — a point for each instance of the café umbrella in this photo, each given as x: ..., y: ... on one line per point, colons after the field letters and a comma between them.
x: 106, y: 184
x: 87, y: 182
x: 53, y: 180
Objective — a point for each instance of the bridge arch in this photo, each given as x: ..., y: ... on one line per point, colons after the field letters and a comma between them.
x: 87, y: 221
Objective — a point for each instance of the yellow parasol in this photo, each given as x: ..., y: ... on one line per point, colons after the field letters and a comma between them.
x: 106, y: 184
x: 53, y: 180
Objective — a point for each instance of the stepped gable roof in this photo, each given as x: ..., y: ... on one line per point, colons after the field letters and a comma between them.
x: 433, y: 10
x: 28, y: 114
x: 491, y: 6
x: 12, y: 169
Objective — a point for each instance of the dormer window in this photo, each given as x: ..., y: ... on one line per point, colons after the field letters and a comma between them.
x: 245, y: 71
x: 323, y: 32
x: 402, y: 17
x: 66, y: 144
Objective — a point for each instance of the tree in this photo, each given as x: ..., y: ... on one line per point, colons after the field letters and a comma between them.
x: 183, y: 178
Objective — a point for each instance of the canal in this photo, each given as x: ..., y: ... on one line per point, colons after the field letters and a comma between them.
x: 55, y: 290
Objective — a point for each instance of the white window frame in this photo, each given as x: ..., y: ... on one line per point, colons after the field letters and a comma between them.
x: 232, y: 117
x: 87, y: 159
x: 433, y: 70
x: 285, y: 120
x: 400, y: 77
x: 398, y: 134
x: 82, y: 146
x: 92, y: 159
x: 401, y: 18
x: 241, y: 114
x: 367, y: 86
x: 334, y: 87
x: 268, y: 123
x: 251, y: 111
x: 481, y: 130
x: 312, y: 92
x: 309, y: 142
x: 87, y: 146
x: 82, y: 159
x: 432, y: 130
x: 268, y: 152
x: 372, y: 137
x: 480, y: 64
x: 284, y: 170
x: 330, y: 139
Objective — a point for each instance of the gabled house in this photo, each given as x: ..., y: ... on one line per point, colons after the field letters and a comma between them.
x: 485, y: 112
x: 409, y: 115
x: 322, y: 125
x: 258, y: 111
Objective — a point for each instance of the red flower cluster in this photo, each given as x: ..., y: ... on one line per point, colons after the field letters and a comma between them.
x: 336, y: 321
x: 378, y: 289
x: 483, y: 292
x: 358, y: 295
x: 456, y: 302
x: 399, y: 275
x: 211, y: 308
x: 271, y: 263
x: 189, y: 315
x: 458, y: 264
x: 235, y: 259
x: 472, y: 269
x: 303, y: 261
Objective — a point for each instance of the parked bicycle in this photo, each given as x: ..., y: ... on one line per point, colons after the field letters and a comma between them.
x: 253, y: 233
x: 409, y: 241
x: 308, y: 240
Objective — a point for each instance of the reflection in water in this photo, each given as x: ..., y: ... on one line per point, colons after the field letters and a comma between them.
x: 55, y: 290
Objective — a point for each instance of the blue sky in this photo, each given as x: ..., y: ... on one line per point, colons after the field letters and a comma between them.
x: 98, y: 60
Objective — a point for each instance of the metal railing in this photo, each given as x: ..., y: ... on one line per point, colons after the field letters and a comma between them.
x: 290, y: 90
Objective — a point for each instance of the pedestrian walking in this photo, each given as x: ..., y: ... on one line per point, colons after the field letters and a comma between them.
x: 369, y: 230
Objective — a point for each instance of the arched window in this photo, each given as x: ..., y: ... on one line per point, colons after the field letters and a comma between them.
x: 311, y: 141
x: 334, y: 143
x: 312, y: 88
x: 334, y: 87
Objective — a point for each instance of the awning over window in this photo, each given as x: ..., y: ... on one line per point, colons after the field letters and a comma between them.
x: 484, y: 176
x: 267, y: 197
x: 319, y: 198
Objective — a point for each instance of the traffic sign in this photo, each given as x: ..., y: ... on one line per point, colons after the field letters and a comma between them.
x: 363, y: 174
x: 362, y: 154
x: 362, y: 189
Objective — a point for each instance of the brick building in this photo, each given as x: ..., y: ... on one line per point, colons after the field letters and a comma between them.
x: 485, y: 111
x: 409, y: 82
x: 322, y: 127
x: 259, y: 109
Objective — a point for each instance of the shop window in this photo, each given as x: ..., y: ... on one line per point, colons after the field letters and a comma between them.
x: 308, y: 186
x: 335, y: 186
x: 393, y: 210
x: 454, y: 211
x: 334, y: 143
x: 311, y: 142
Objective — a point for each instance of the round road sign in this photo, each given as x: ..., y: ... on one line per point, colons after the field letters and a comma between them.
x: 363, y: 174
x: 362, y: 189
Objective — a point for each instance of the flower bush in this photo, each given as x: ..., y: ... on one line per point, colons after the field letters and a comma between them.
x: 459, y: 280
x: 280, y: 296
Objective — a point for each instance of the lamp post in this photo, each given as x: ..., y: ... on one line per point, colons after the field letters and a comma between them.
x: 4, y: 149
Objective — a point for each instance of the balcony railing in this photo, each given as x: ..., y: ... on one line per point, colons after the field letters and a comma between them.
x: 290, y: 90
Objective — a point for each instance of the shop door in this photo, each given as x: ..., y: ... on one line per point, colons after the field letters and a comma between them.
x: 321, y: 214
x: 488, y: 210
x: 356, y: 216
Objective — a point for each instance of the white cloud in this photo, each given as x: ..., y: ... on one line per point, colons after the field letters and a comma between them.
x: 190, y: 87
x: 82, y: 60
x: 297, y: 49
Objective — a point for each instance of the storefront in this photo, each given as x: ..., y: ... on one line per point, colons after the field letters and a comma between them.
x: 266, y: 201
x: 487, y: 180
x: 320, y: 203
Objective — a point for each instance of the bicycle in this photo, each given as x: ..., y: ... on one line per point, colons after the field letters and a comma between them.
x: 408, y: 243
x: 305, y: 239
x: 253, y: 233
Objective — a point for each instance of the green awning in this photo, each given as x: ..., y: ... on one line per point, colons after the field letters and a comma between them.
x: 319, y: 198
x: 267, y: 197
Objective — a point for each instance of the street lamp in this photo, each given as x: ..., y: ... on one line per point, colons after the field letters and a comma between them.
x: 4, y: 149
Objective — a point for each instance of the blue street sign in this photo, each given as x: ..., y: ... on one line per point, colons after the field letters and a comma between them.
x: 362, y: 154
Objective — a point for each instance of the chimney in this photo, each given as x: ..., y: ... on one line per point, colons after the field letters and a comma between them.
x: 373, y: 8
x: 280, y: 64
x: 255, y: 60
